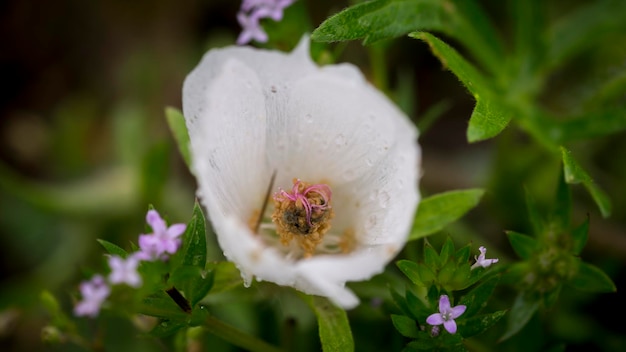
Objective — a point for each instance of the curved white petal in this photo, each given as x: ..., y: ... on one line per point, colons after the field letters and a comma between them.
x: 250, y: 112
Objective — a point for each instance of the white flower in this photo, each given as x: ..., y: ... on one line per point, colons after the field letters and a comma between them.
x: 251, y: 113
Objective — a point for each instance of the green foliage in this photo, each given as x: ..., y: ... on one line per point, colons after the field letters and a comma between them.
x: 443, y: 273
x: 334, y: 328
x: 437, y: 211
x: 176, y: 121
x: 574, y: 173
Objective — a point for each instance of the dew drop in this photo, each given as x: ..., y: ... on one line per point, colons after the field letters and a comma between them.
x: 340, y: 139
x: 308, y: 118
x: 369, y: 162
x: 372, y: 220
x: 164, y: 324
x: 383, y: 199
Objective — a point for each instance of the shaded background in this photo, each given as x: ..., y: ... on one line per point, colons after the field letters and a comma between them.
x: 85, y: 148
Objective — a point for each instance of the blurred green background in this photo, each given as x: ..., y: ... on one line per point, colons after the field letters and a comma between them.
x: 85, y: 148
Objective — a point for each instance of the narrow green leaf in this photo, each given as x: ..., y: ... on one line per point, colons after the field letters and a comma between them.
x: 610, y: 91
x: 471, y: 78
x: 523, y: 245
x: 477, y: 298
x: 574, y: 173
x: 487, y: 121
x: 447, y: 250
x: 592, y: 279
x: 334, y: 328
x: 193, y: 251
x: 406, y: 326
x: 113, y: 248
x: 418, y: 308
x: 400, y: 301
x: 176, y: 121
x: 193, y: 281
x: 534, y: 216
x: 411, y: 270
x: 431, y: 257
x: 463, y: 254
x: 437, y: 211
x: 523, y: 309
x: 479, y: 324
x: 579, y: 237
x: 160, y: 305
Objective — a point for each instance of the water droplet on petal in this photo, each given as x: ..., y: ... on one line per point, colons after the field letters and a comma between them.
x: 340, y: 139
x: 369, y: 162
x: 308, y: 118
x: 383, y: 198
x: 372, y: 220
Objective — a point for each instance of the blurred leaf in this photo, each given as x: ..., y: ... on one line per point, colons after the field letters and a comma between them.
x: 167, y: 327
x: 445, y: 274
x: 447, y: 250
x: 334, y: 328
x: 380, y: 19
x: 431, y: 115
x: 592, y: 279
x: 579, y: 237
x: 154, y: 172
x: 529, y: 39
x: 463, y: 254
x: 406, y: 326
x: 160, y: 305
x: 226, y: 277
x: 477, y: 298
x: 583, y: 27
x: 575, y: 174
x: 523, y: 309
x: 419, y: 310
x: 193, y: 251
x: 612, y: 90
x: 523, y: 245
x: 534, y: 214
x: 563, y: 205
x: 431, y: 257
x: 462, y: 277
x: 437, y: 211
x: 401, y: 302
x: 176, y: 121
x: 479, y: 324
x: 410, y: 269
x: 113, y: 248
x: 193, y: 281
x: 592, y: 124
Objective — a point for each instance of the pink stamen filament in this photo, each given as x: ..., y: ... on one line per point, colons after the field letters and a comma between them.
x: 295, y: 196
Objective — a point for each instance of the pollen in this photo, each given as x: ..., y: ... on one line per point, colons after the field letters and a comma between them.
x: 303, y: 215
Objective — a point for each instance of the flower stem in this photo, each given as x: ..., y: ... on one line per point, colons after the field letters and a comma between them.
x: 237, y: 337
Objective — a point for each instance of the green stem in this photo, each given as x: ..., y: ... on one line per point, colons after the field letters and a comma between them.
x: 379, y: 66
x: 237, y: 337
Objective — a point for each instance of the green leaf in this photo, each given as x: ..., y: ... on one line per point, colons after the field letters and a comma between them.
x: 582, y: 28
x: 533, y: 214
x: 463, y: 254
x: 523, y: 309
x: 487, y: 121
x: 113, y: 248
x: 227, y: 277
x: 574, y: 173
x: 593, y: 124
x: 380, y: 19
x: 334, y: 328
x: 592, y: 279
x: 479, y: 324
x: 193, y: 251
x: 167, y: 327
x: 447, y: 250
x: 193, y: 281
x: 411, y: 270
x: 176, y: 121
x: 154, y: 171
x: 477, y: 298
x: 401, y: 302
x: 406, y: 326
x: 431, y: 257
x: 160, y: 305
x: 418, y: 308
x: 563, y: 206
x: 579, y: 237
x: 611, y: 91
x: 523, y: 245
x: 437, y: 211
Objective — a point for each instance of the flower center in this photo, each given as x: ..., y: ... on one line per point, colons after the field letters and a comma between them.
x: 303, y: 214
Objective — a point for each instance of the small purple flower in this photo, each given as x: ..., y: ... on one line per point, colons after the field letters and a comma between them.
x: 124, y: 271
x: 481, y: 261
x: 94, y: 292
x: 250, y: 14
x: 446, y: 314
x: 163, y: 241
